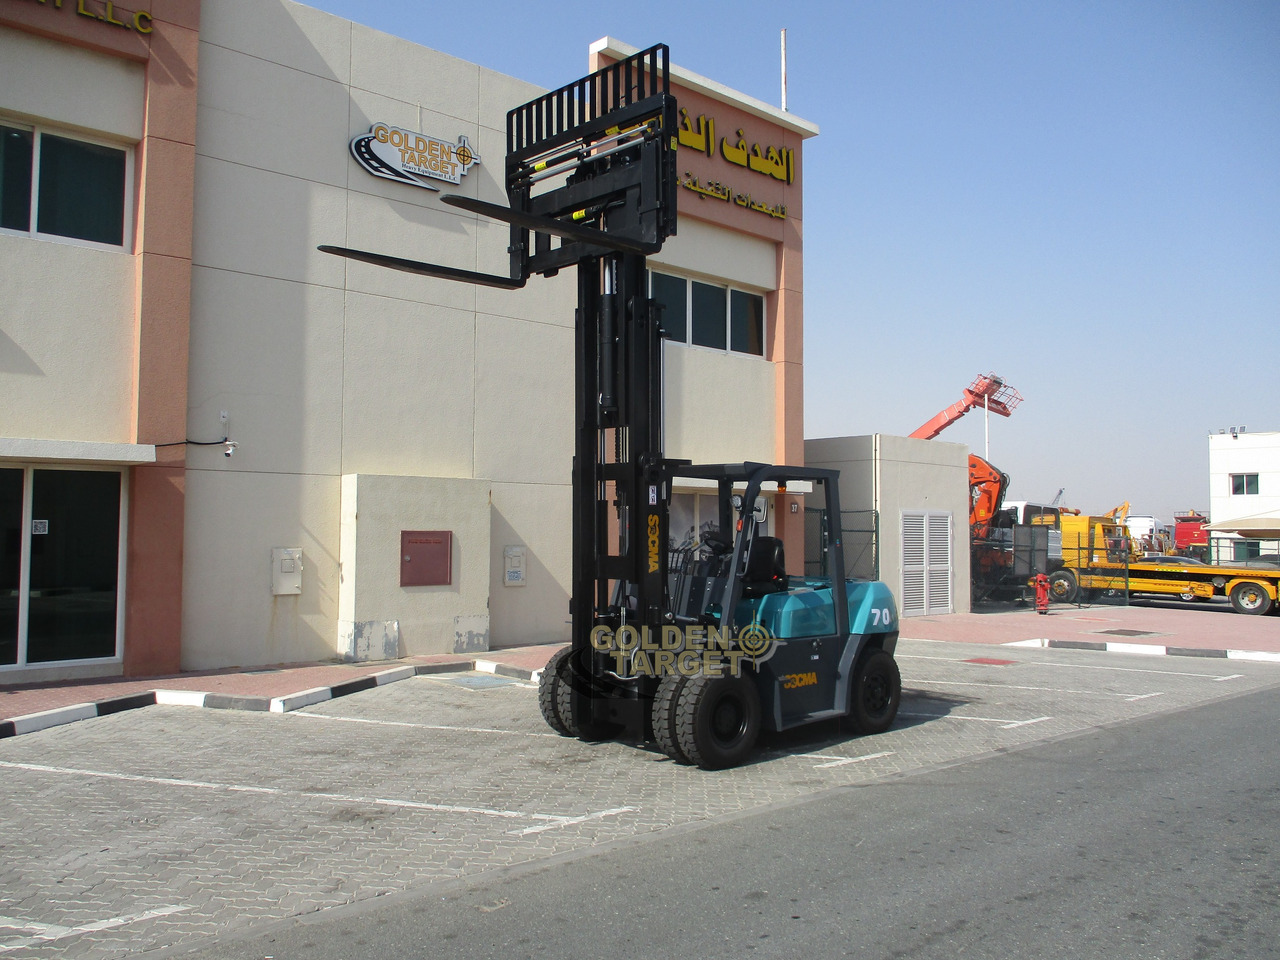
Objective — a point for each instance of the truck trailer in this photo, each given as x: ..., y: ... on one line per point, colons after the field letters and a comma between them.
x: 1098, y: 558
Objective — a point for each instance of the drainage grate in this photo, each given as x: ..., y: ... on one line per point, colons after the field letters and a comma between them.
x: 1129, y: 633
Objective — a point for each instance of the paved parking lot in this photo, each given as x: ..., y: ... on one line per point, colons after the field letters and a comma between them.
x: 156, y: 827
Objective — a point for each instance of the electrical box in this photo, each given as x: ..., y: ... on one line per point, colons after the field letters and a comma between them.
x: 426, y: 558
x: 513, y: 567
x: 286, y: 570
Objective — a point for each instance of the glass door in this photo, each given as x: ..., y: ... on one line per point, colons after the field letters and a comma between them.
x: 11, y: 484
x: 60, y: 585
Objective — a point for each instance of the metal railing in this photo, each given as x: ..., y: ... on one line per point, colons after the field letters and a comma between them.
x: 860, y: 537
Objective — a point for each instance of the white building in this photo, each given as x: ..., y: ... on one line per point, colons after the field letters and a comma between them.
x: 1244, y: 482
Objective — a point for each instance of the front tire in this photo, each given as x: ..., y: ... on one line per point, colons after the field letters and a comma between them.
x: 1063, y: 586
x: 876, y: 692
x: 1250, y: 598
x: 665, y: 703
x: 717, y: 720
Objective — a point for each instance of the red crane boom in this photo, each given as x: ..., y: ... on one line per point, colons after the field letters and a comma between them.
x: 987, y: 391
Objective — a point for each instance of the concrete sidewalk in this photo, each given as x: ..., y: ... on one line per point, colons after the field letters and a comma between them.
x: 1164, y: 628
x: 1145, y: 626
x: 25, y: 708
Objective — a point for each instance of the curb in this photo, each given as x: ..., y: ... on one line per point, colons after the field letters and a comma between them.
x: 1147, y: 649
x: 33, y: 722
x: 507, y: 670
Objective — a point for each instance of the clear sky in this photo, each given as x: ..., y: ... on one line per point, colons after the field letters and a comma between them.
x: 1083, y: 197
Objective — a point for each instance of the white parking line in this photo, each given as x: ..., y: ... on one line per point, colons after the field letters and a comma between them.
x: 553, y: 819
x: 421, y: 726
x: 842, y: 761
x: 1005, y: 722
x: 1078, y: 666
x: 1014, y: 686
x: 1167, y: 673
x: 567, y: 821
x: 47, y: 932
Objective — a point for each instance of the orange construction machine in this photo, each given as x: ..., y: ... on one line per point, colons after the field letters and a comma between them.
x: 1004, y: 554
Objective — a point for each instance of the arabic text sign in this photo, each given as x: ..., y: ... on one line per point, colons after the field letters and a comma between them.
x: 716, y: 190
x: 776, y: 162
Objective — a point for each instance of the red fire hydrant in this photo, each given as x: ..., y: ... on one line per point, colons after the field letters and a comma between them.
x: 1042, y: 593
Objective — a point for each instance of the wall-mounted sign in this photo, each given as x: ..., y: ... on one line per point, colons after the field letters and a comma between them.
x: 106, y: 11
x: 410, y: 157
x: 776, y: 162
x: 715, y: 190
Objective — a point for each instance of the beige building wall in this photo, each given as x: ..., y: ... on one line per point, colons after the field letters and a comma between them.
x: 378, y: 617
x: 719, y: 407
x: 892, y: 475
x: 336, y: 375
x: 94, y: 336
x: 67, y: 372
x: 85, y: 90
x: 338, y: 381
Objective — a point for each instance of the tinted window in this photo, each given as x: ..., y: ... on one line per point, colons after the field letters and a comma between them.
x: 15, y: 178
x: 81, y: 190
x: 746, y: 323
x: 1244, y: 484
x: 672, y: 294
x: 709, y: 326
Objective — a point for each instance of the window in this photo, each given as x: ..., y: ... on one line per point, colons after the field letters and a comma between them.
x: 15, y: 178
x: 707, y: 315
x: 672, y: 294
x: 1243, y: 484
x: 746, y: 323
x: 57, y: 186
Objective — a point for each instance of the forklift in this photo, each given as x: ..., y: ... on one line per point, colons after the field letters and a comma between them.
x: 698, y: 649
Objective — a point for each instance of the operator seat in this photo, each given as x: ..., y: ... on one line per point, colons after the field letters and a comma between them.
x: 766, y: 570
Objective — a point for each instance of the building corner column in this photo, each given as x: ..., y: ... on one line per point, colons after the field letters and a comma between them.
x: 163, y: 247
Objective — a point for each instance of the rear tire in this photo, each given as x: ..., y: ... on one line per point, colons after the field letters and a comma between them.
x: 1063, y: 586
x: 717, y: 720
x: 875, y: 693
x: 665, y: 702
x: 1250, y: 598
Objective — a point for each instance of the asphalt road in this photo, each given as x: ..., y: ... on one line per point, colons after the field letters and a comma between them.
x: 1154, y: 839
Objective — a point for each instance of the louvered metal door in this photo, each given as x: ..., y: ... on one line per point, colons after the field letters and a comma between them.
x: 926, y: 563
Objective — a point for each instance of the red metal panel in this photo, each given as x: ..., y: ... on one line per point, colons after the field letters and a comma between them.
x: 426, y: 558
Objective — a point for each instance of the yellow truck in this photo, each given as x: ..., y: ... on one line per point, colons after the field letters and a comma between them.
x: 1098, y: 556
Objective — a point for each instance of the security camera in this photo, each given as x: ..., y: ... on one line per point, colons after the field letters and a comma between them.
x: 229, y: 447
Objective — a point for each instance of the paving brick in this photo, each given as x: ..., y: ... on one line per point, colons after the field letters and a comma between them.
x: 244, y: 817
